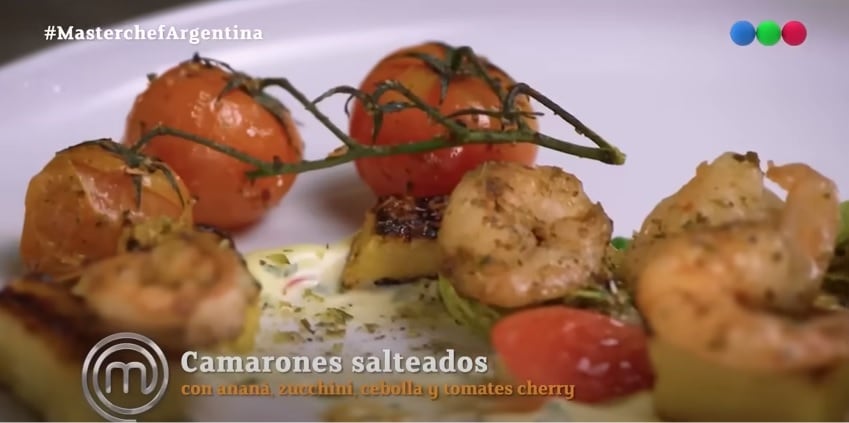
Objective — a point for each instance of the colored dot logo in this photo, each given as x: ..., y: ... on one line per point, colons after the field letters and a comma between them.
x: 768, y: 33
x: 794, y: 33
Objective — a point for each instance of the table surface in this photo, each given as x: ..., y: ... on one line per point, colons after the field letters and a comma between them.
x: 23, y: 22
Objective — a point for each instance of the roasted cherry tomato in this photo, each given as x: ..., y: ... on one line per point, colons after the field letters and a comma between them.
x: 437, y: 172
x: 189, y: 97
x: 79, y: 205
x: 602, y: 357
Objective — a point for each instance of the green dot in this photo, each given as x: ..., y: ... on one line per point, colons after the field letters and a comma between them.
x: 769, y: 33
x: 620, y: 242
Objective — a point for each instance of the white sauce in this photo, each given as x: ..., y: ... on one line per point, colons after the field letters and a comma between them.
x: 307, y: 314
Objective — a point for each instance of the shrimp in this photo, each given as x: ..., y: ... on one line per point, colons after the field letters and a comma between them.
x: 741, y: 294
x: 187, y: 289
x: 729, y: 189
x: 514, y: 235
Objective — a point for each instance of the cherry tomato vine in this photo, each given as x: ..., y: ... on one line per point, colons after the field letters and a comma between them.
x: 460, y: 61
x: 138, y: 166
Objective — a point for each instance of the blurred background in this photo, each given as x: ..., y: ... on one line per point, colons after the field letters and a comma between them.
x: 23, y: 22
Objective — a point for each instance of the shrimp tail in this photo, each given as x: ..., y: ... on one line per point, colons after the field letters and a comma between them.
x: 811, y: 217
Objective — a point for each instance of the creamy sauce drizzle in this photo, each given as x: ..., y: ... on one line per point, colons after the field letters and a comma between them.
x: 306, y: 313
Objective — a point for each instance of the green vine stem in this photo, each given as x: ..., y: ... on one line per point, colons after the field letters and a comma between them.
x: 459, y: 62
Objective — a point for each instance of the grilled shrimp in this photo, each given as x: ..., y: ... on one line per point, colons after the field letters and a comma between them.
x: 188, y: 289
x: 741, y: 294
x: 514, y: 235
x: 729, y: 189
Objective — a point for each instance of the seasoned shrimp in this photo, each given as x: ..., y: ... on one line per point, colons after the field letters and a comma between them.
x: 741, y: 294
x: 188, y: 289
x: 514, y: 235
x: 729, y: 189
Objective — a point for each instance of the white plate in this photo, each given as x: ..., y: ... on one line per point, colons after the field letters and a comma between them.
x: 661, y: 79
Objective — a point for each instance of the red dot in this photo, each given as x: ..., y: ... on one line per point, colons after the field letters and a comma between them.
x: 794, y: 33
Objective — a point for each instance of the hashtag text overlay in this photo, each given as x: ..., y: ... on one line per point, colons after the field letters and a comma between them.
x: 162, y: 32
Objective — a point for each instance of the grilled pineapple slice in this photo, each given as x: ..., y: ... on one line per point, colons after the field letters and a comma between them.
x: 689, y: 388
x: 50, y: 326
x: 47, y: 334
x: 397, y: 242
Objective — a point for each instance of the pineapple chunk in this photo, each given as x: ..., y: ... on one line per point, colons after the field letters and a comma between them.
x: 397, y: 242
x: 689, y: 388
x: 47, y: 334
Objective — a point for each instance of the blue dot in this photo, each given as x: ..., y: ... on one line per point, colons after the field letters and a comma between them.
x: 743, y: 33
